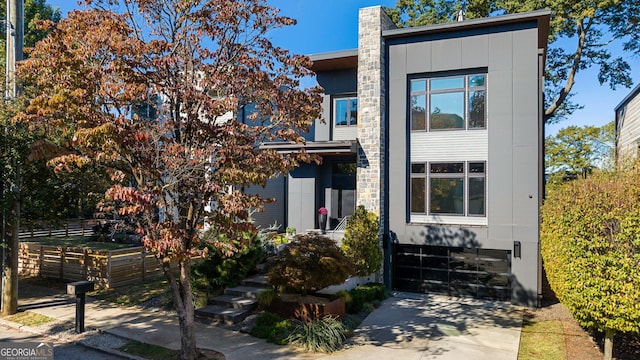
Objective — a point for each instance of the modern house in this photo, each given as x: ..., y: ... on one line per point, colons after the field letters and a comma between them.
x: 627, y: 115
x: 438, y: 130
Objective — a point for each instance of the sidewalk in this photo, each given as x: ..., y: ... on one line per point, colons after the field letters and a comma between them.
x: 408, y: 326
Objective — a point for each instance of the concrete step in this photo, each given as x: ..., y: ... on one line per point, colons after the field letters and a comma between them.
x: 212, y: 314
x: 235, y: 302
x: 244, y: 290
x: 259, y: 280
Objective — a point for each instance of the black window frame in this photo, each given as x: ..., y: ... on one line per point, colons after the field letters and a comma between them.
x: 424, y: 171
x: 426, y: 92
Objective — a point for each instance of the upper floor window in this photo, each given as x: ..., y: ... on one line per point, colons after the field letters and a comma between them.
x: 345, y: 111
x: 448, y: 103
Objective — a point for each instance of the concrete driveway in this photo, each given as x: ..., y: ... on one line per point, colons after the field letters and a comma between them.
x: 415, y: 326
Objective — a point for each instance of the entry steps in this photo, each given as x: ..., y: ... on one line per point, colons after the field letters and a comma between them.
x: 235, y: 304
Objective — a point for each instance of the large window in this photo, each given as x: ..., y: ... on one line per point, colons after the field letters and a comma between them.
x: 345, y: 111
x: 448, y: 103
x: 448, y: 188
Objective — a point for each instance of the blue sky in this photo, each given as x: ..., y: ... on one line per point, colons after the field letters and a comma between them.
x: 330, y: 25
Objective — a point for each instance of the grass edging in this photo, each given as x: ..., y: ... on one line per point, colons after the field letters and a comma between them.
x: 29, y: 318
x: 543, y: 340
x: 149, y: 351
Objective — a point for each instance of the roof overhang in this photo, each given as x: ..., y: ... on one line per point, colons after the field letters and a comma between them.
x: 337, y: 60
x: 342, y: 147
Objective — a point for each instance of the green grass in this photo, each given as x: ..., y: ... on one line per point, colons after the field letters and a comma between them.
x: 149, y: 351
x: 542, y: 341
x: 76, y: 241
x: 135, y: 294
x: 29, y: 318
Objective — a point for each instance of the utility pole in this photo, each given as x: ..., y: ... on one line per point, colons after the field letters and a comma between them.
x: 14, y: 46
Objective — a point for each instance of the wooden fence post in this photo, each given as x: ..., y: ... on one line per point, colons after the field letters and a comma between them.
x: 66, y: 229
x: 62, y: 255
x: 144, y: 264
x: 108, y: 269
x: 41, y: 262
x: 85, y: 268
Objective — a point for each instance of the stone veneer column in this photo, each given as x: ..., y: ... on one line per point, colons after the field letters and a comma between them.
x: 371, y: 133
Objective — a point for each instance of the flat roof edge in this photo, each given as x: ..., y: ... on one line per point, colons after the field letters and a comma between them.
x: 333, y: 55
x: 479, y: 22
x: 629, y: 96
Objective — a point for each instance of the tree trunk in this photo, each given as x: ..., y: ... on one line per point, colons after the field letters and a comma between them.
x: 10, y: 288
x: 183, y: 300
x: 608, y: 344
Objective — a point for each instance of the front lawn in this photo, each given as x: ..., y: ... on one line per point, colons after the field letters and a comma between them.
x: 136, y: 294
x: 79, y: 241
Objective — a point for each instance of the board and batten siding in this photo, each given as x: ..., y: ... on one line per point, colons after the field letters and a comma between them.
x: 629, y: 131
x: 344, y: 132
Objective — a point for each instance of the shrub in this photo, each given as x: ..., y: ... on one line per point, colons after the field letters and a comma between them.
x: 309, y: 263
x: 324, y: 335
x: 272, y: 328
x: 360, y: 243
x: 366, y: 294
x: 590, y: 247
x: 221, y: 270
x: 266, y: 297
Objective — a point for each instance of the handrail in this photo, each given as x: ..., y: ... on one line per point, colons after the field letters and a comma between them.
x: 342, y: 225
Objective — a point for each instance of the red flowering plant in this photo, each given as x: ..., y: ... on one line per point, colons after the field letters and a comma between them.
x: 323, y: 211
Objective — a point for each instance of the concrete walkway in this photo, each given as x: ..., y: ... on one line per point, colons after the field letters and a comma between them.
x: 406, y: 326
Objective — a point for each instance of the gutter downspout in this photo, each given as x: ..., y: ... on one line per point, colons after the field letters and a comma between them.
x: 541, y: 168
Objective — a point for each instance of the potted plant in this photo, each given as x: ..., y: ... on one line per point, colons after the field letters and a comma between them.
x: 322, y: 218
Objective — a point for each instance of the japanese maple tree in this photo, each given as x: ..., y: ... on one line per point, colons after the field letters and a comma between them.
x: 156, y: 91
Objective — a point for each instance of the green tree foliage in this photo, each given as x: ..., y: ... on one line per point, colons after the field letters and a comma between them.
x: 589, y: 27
x: 575, y: 151
x: 360, y: 243
x: 590, y: 245
x: 310, y: 263
x: 34, y: 11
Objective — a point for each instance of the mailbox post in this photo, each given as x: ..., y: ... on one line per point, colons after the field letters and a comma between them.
x: 79, y: 289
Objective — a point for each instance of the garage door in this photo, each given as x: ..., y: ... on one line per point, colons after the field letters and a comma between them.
x: 455, y: 271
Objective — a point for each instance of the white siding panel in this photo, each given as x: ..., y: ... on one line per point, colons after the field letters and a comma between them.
x: 345, y: 132
x: 630, y: 131
x: 448, y: 220
x: 472, y: 145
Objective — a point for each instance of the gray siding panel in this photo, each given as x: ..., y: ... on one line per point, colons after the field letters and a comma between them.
x: 501, y: 51
x: 418, y: 57
x: 273, y: 212
x: 499, y: 167
x: 399, y: 72
x: 475, y: 51
x: 323, y: 129
x: 446, y: 55
x: 301, y: 205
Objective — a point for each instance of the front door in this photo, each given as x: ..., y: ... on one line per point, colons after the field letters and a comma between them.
x: 343, y: 191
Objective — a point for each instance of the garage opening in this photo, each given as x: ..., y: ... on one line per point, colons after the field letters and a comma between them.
x: 454, y: 271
